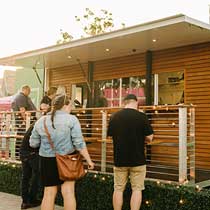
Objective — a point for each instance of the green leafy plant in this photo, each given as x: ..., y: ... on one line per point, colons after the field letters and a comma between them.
x: 94, y: 192
x: 65, y: 37
x: 96, y: 24
x: 92, y: 24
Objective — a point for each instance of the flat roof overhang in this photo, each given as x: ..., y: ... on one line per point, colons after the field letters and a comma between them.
x: 169, y: 32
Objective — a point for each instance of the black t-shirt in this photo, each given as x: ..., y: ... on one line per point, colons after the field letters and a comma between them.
x: 46, y: 100
x: 128, y: 129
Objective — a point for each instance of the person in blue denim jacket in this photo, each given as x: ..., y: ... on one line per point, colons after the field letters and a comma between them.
x: 66, y: 135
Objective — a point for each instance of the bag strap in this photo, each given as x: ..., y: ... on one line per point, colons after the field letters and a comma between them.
x: 48, y: 135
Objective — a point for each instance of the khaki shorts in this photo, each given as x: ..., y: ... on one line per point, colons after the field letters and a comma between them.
x: 137, y: 176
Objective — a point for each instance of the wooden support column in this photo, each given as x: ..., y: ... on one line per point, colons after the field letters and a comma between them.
x: 149, y: 90
x: 90, y: 81
x: 149, y: 77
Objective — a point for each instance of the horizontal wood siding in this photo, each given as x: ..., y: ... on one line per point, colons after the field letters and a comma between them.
x: 194, y: 60
x: 126, y: 66
x: 66, y: 76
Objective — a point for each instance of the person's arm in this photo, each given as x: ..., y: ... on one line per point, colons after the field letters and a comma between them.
x: 85, y: 154
x: 79, y: 142
x: 148, y: 131
x: 21, y: 104
x: 32, y: 107
x: 35, y: 138
x: 149, y: 138
x: 22, y: 112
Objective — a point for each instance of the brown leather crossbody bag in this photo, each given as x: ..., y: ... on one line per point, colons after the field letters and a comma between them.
x: 70, y: 167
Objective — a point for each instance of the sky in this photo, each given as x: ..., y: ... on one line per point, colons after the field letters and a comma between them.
x: 33, y: 24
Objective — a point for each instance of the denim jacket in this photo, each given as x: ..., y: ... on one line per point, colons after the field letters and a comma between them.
x: 66, y: 137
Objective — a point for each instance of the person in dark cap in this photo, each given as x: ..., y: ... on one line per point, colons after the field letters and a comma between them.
x: 129, y: 129
x: 130, y: 97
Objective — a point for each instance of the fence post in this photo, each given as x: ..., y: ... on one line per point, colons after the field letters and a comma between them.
x: 28, y: 120
x: 12, y: 144
x: 192, y: 145
x: 3, y: 131
x: 103, y: 143
x: 182, y: 144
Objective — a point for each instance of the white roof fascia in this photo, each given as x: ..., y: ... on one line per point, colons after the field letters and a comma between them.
x: 118, y: 33
x: 197, y: 23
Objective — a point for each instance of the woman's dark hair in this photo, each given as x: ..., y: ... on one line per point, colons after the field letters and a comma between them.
x: 57, y: 104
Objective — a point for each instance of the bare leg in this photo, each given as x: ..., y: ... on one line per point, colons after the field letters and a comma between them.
x: 136, y: 198
x: 117, y: 200
x: 67, y: 190
x: 48, y: 200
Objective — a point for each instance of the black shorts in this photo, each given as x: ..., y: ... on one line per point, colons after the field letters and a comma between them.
x: 49, y: 172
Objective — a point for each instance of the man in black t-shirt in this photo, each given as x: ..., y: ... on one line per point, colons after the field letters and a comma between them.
x: 129, y: 129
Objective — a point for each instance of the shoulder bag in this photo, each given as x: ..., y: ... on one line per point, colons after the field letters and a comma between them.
x: 70, y: 167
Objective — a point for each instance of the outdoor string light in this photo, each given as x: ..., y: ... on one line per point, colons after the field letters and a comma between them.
x: 181, y: 201
x: 147, y: 202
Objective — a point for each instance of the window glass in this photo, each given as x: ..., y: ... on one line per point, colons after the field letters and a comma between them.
x: 79, y: 95
x: 111, y: 92
x: 136, y: 86
x: 107, y: 93
x: 171, y: 88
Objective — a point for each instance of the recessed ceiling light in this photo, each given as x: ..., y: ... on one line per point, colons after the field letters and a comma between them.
x: 154, y: 40
x: 107, y: 49
x: 69, y: 57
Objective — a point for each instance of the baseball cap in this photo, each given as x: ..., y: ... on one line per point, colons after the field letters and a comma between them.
x: 130, y: 97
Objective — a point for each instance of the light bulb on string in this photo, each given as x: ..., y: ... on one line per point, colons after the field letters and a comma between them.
x: 173, y: 124
x: 198, y: 188
x: 181, y: 201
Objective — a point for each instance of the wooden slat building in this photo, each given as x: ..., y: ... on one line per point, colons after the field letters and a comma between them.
x: 177, y: 44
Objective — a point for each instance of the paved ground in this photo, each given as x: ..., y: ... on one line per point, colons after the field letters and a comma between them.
x: 13, y: 202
